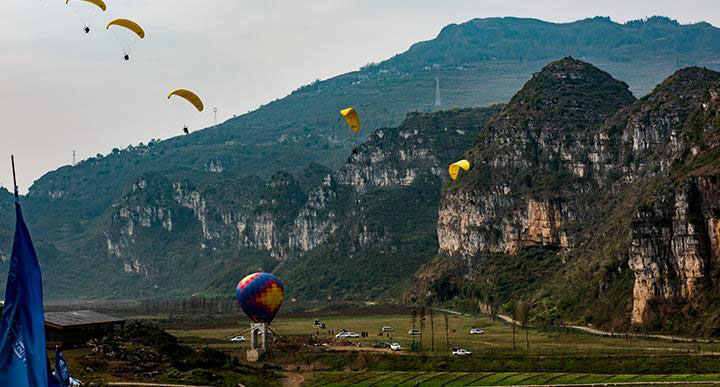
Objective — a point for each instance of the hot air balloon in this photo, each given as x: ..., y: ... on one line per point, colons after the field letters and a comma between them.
x: 352, y: 119
x: 87, y: 10
x: 184, y: 97
x: 128, y: 33
x: 260, y: 296
x: 454, y: 168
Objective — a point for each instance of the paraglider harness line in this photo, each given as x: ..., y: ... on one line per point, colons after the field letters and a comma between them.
x: 15, y: 186
x: 90, y: 18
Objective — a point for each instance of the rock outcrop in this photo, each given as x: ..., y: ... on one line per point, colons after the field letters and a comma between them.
x: 569, y: 166
x: 290, y: 216
x: 531, y: 165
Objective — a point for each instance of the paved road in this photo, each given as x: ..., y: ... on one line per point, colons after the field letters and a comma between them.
x: 640, y: 335
x: 598, y: 332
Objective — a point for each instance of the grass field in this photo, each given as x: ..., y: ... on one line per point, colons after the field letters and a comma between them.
x: 488, y: 379
x: 554, y: 356
x: 498, y: 337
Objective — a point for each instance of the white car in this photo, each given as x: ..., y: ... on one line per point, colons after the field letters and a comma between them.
x: 238, y: 338
x: 341, y: 335
x: 386, y: 328
x: 477, y: 331
x: 461, y: 352
x: 414, y: 332
x: 395, y: 347
x: 347, y: 335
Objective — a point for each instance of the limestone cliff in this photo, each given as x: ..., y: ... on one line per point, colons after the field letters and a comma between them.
x: 531, y: 165
x: 575, y: 167
x: 292, y: 218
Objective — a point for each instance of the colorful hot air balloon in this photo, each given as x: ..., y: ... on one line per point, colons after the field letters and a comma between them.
x: 260, y: 296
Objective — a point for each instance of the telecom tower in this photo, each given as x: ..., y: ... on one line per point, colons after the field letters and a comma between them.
x: 438, y: 100
x: 215, y: 113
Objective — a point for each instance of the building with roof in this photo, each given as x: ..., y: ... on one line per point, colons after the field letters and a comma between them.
x: 73, y: 329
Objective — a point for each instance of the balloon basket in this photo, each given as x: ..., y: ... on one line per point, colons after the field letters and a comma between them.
x: 258, y: 341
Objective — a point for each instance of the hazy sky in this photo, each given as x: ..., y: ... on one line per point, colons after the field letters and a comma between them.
x: 62, y: 90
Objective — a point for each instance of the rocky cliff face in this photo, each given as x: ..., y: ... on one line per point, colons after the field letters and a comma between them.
x: 290, y: 216
x: 674, y: 247
x: 674, y: 251
x: 530, y: 166
x: 575, y: 166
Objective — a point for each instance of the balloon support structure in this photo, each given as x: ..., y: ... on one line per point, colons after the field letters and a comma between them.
x: 258, y: 341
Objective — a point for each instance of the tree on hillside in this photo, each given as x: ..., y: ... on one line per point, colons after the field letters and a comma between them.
x: 513, y: 315
x: 523, y: 314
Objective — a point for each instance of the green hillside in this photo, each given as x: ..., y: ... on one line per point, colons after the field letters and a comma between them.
x: 75, y: 209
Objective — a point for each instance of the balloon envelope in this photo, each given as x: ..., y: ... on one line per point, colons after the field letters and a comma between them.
x: 260, y: 296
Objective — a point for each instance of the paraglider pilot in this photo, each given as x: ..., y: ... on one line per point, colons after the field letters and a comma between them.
x: 186, y: 130
x: 126, y: 57
x: 86, y: 29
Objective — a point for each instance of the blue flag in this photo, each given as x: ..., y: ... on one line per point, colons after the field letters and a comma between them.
x: 62, y: 373
x: 23, y: 359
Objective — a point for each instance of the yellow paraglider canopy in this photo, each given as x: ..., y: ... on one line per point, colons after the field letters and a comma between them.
x: 352, y: 119
x: 129, y: 24
x: 188, y: 96
x: 455, y: 168
x: 99, y: 3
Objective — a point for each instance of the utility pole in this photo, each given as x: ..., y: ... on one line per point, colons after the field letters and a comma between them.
x: 447, y: 333
x: 438, y: 99
x: 422, y: 325
x: 432, y: 331
x: 73, y: 159
x: 414, y: 316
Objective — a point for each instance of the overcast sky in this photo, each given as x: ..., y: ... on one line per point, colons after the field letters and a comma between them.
x: 62, y: 90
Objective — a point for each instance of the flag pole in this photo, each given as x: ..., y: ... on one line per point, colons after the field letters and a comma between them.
x: 15, y: 186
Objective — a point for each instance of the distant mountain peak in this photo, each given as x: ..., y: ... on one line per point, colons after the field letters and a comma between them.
x: 568, y: 92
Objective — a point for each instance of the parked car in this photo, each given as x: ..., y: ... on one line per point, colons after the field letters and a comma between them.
x: 382, y: 344
x: 347, y: 335
x: 477, y: 331
x: 461, y: 352
x: 238, y: 338
x: 395, y: 347
x: 414, y: 332
x: 386, y: 328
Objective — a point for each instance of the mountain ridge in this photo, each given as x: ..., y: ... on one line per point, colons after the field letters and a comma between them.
x: 253, y: 193
x: 561, y: 229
